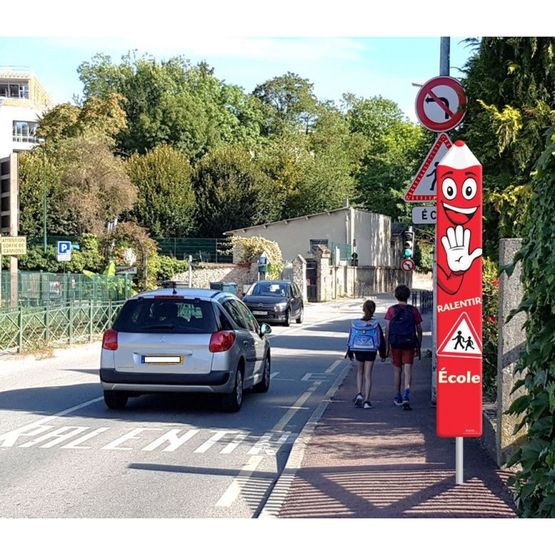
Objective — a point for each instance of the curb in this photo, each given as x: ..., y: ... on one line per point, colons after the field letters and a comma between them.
x: 277, y: 498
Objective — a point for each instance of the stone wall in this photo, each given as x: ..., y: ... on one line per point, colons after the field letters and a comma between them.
x: 512, y: 340
x: 204, y: 274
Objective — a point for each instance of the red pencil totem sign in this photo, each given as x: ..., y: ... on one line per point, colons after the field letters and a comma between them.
x: 459, y: 294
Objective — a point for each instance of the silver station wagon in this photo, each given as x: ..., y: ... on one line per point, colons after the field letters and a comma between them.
x: 184, y: 340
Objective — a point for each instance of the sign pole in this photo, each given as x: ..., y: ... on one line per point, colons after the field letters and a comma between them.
x: 444, y: 62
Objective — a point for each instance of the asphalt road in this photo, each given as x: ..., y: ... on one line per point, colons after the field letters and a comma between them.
x: 64, y: 454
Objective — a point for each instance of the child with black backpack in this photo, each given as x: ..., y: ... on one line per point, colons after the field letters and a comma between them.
x: 404, y: 338
x: 366, y: 339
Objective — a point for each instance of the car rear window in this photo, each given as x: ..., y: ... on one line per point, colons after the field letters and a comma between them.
x: 166, y: 315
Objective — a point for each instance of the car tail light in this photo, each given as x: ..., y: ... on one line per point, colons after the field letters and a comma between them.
x: 221, y: 341
x: 110, y: 340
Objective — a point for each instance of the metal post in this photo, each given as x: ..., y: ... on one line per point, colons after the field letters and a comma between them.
x: 44, y: 218
x: 190, y: 271
x: 444, y: 55
x: 20, y: 326
x: 459, y: 456
x: 444, y: 67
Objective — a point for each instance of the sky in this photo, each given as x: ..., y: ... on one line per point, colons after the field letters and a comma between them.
x: 338, y: 46
x: 365, y: 66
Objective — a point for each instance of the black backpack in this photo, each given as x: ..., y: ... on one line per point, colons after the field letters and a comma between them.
x: 402, y: 328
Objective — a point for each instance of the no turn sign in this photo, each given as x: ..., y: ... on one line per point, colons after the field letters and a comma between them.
x: 407, y: 265
x: 441, y: 104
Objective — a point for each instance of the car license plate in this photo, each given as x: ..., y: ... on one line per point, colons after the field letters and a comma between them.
x: 162, y: 359
x: 260, y: 312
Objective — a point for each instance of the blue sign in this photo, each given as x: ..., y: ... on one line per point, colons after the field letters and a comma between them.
x: 64, y: 247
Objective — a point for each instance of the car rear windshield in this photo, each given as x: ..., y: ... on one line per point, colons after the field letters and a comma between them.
x: 166, y: 315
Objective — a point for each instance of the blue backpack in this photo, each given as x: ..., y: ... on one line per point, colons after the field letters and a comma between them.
x: 364, y: 336
x: 402, y: 328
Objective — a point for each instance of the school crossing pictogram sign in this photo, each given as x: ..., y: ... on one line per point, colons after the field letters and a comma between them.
x: 441, y: 104
x: 459, y: 294
x: 424, y: 185
x: 462, y: 341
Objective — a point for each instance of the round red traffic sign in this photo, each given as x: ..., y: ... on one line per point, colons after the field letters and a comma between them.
x: 407, y: 265
x: 441, y: 104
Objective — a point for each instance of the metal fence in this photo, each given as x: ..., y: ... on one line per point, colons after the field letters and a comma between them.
x: 45, y: 288
x: 423, y: 300
x: 27, y: 329
x: 202, y: 250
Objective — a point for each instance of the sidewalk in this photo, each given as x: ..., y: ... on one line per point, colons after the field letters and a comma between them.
x: 385, y: 462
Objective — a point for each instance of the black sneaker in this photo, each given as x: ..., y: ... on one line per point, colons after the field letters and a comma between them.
x: 358, y: 400
x: 406, y: 405
x: 367, y: 405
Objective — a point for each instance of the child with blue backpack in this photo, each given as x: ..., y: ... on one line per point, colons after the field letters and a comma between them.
x: 404, y: 338
x: 366, y: 340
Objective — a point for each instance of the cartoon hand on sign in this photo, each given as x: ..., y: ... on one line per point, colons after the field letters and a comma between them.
x: 457, y: 245
x: 459, y: 199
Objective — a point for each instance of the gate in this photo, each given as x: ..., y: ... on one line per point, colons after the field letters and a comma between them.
x: 311, y: 280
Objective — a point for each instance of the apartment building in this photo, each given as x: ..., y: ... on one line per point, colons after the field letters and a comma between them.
x: 23, y: 100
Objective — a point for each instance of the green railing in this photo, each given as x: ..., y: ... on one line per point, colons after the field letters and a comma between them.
x: 45, y: 288
x: 201, y: 249
x: 27, y: 329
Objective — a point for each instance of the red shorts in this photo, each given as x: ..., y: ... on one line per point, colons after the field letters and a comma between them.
x: 402, y: 356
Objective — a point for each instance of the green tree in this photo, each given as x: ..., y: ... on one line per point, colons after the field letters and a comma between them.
x: 172, y: 102
x: 166, y: 201
x: 98, y: 115
x: 392, y: 150
x: 510, y: 83
x: 94, y: 186
x: 232, y: 192
x: 289, y: 100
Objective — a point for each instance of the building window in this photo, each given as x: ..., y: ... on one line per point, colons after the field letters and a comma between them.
x: 315, y: 242
x: 24, y: 131
x: 10, y: 89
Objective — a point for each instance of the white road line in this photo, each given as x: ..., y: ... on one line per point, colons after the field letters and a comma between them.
x: 212, y: 441
x: 42, y: 421
x: 262, y: 443
x: 173, y: 439
x: 233, y: 491
x: 332, y: 368
x: 296, y: 407
x: 76, y: 444
x: 230, y: 447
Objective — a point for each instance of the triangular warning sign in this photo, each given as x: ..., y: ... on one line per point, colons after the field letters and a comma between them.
x: 424, y: 185
x: 462, y: 340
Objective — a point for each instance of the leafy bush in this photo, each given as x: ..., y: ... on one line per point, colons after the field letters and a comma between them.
x: 424, y: 256
x: 534, y: 482
x: 88, y: 258
x: 166, y: 267
x: 250, y: 248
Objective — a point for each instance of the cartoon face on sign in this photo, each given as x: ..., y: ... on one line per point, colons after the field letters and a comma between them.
x: 459, y: 202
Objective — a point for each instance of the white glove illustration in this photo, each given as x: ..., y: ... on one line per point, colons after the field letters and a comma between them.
x: 456, y: 244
